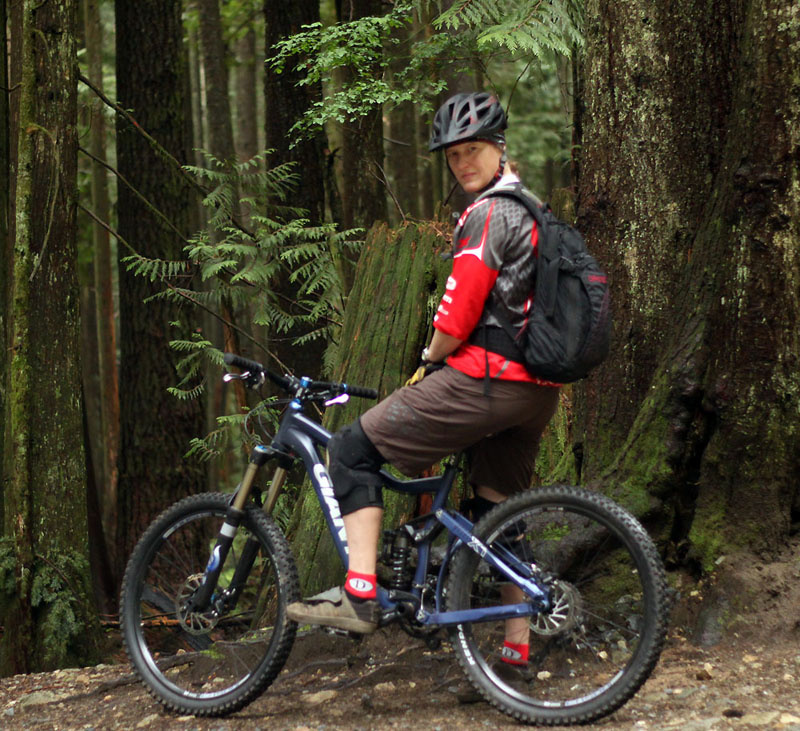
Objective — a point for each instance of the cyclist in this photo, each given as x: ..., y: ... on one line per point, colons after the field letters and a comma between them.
x: 482, y: 398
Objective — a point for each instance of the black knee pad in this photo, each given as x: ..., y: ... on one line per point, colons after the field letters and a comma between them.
x: 476, y: 507
x: 354, y: 463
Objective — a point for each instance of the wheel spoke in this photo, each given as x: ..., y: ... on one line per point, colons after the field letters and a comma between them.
x: 211, y: 661
x: 603, y: 632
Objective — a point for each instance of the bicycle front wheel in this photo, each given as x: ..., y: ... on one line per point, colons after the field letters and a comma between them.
x: 602, y: 636
x: 215, y: 661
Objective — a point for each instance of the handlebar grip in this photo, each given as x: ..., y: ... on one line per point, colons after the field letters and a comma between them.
x: 245, y: 364
x: 280, y: 381
x: 358, y: 391
x: 361, y: 392
x: 255, y: 367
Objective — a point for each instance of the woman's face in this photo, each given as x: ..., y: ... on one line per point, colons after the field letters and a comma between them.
x: 474, y: 163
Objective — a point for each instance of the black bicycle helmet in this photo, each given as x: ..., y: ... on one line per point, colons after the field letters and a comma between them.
x: 466, y: 117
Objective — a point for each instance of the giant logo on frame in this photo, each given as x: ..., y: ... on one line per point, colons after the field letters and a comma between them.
x: 326, y: 487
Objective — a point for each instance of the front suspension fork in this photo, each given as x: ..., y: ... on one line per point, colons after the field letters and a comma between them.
x: 202, y: 598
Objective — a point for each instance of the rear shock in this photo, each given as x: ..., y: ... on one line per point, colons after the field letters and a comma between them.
x: 397, y: 553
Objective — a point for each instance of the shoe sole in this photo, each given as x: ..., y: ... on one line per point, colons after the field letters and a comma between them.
x: 346, y: 623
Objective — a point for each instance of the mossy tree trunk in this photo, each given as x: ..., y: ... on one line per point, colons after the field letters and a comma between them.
x: 690, y: 193
x: 398, y: 282
x: 5, y: 241
x: 49, y: 616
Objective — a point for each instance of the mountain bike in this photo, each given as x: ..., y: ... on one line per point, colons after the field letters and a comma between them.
x: 204, y: 597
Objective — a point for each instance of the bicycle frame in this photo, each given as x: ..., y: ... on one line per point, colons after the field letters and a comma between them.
x: 299, y: 436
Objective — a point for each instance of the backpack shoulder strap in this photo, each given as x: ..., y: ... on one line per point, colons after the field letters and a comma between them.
x: 515, y: 191
x: 548, y: 255
x: 535, y: 207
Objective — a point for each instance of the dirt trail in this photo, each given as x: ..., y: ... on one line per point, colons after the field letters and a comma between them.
x: 745, y: 677
x: 389, y: 682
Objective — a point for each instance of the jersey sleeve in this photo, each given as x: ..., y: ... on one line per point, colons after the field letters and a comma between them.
x: 476, y: 264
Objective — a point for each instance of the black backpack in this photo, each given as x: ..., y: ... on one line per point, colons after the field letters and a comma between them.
x: 569, y: 328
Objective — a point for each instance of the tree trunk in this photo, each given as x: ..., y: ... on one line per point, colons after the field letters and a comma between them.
x: 690, y: 193
x: 103, y: 280
x: 156, y: 428
x: 50, y: 610
x: 286, y: 102
x: 402, y: 151
x: 246, y: 106
x: 218, y: 108
x: 197, y: 98
x: 6, y: 250
x: 427, y: 187
x: 386, y: 324
x: 363, y: 177
x: 363, y: 186
x: 219, y: 123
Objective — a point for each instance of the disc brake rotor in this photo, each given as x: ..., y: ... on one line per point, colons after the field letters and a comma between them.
x: 195, y: 623
x: 565, y: 613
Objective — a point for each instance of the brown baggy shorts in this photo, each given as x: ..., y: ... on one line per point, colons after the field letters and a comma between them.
x: 447, y: 412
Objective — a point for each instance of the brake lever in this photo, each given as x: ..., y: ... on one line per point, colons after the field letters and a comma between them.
x: 228, y: 377
x: 340, y: 399
x: 251, y: 380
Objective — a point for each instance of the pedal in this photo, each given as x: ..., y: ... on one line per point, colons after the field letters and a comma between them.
x: 407, y: 603
x: 342, y: 633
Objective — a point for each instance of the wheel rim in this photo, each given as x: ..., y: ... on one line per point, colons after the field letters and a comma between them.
x: 593, y: 633
x: 202, y: 655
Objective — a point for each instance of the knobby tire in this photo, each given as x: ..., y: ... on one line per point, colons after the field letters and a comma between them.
x: 200, y: 663
x: 603, y: 635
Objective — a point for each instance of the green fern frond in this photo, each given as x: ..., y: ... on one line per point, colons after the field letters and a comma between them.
x: 531, y: 28
x: 197, y: 344
x: 155, y: 269
x: 238, y: 267
x: 201, y: 450
x: 186, y: 394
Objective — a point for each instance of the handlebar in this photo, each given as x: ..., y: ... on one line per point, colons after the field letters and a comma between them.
x: 296, y: 386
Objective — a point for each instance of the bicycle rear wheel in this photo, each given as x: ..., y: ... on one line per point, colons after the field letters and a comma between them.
x: 603, y: 634
x: 212, y: 662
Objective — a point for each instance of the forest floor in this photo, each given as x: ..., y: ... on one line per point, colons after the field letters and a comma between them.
x: 732, y: 661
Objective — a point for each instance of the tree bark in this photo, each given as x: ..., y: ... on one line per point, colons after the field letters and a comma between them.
x: 45, y: 523
x: 218, y: 108
x: 156, y: 428
x: 286, y: 102
x: 363, y: 176
x: 103, y: 280
x: 689, y: 193
x: 5, y: 239
x: 246, y: 106
x: 197, y: 98
x: 402, y: 151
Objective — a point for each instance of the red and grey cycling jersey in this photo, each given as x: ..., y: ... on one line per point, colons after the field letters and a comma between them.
x: 494, y: 256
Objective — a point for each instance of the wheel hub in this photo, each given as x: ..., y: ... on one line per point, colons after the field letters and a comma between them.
x: 195, y: 623
x: 565, y: 612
